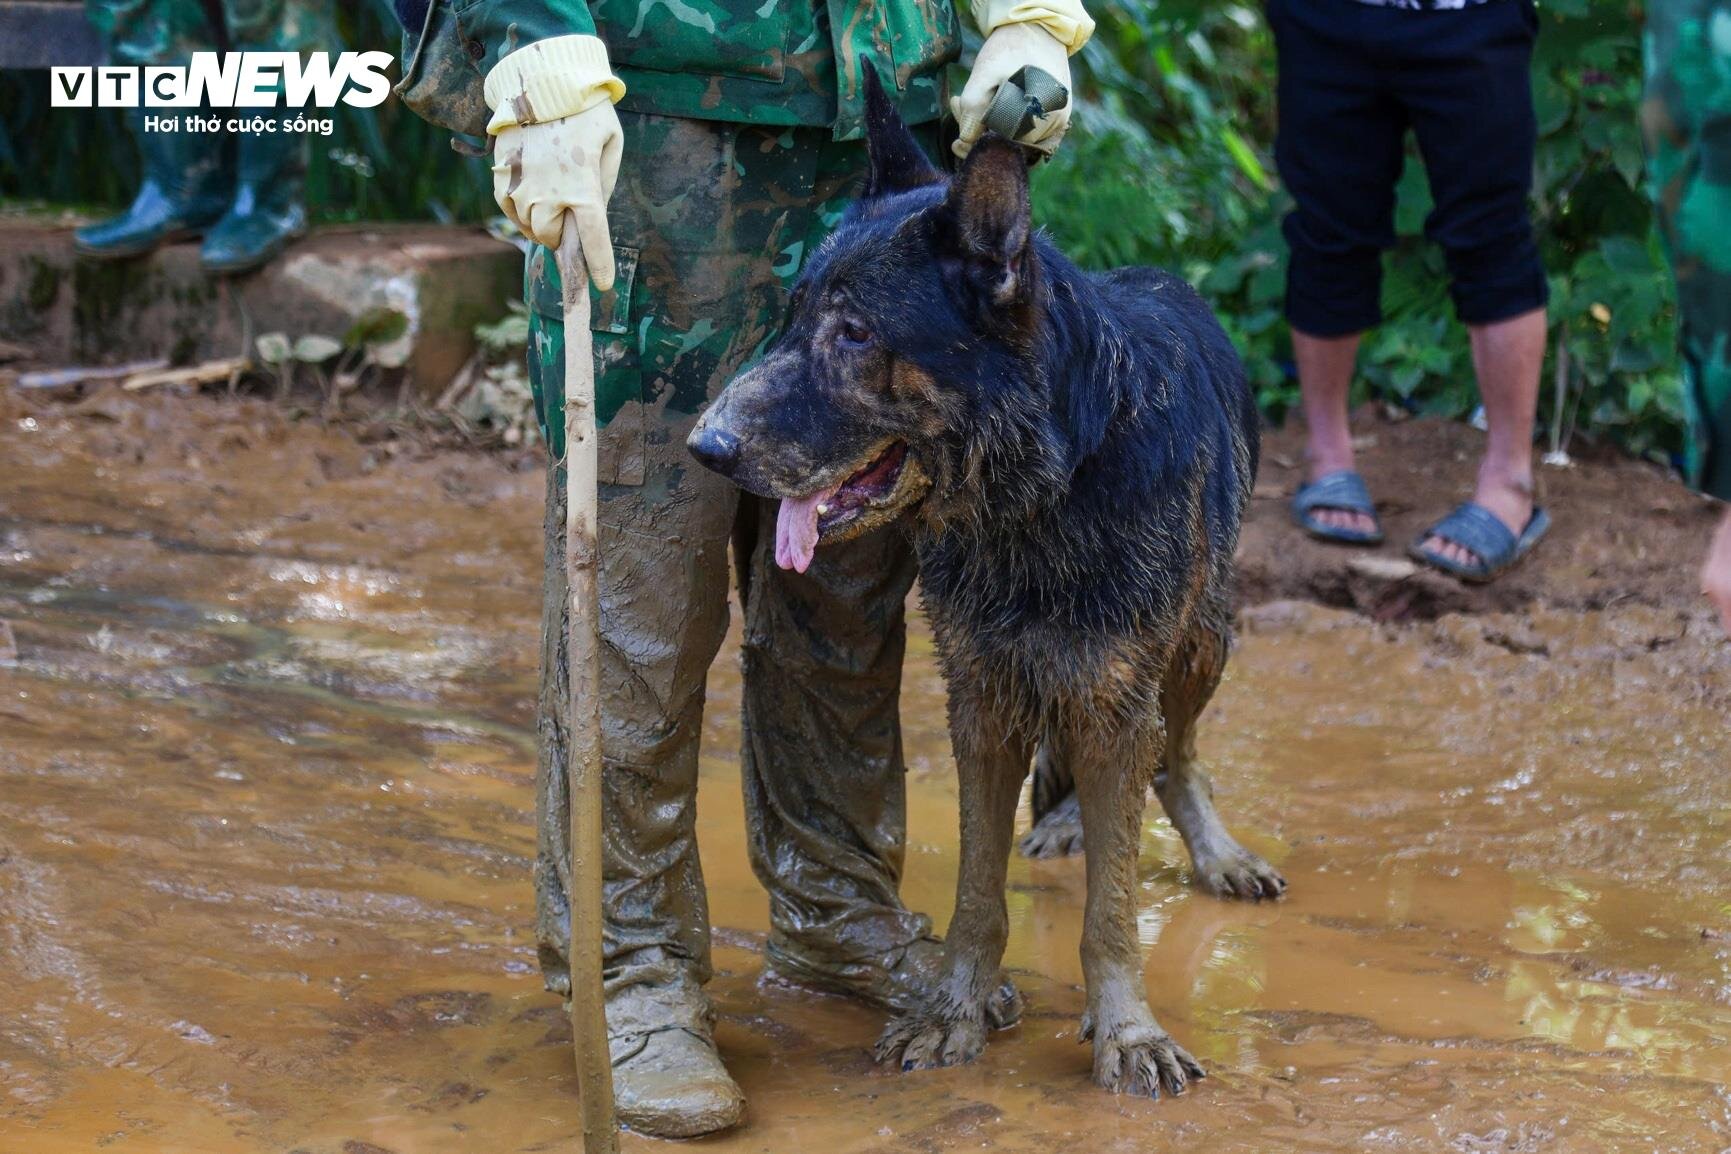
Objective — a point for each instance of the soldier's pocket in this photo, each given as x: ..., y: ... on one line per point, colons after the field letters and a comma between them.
x: 619, y: 398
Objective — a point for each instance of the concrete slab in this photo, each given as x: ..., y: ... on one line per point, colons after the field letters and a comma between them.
x: 72, y: 311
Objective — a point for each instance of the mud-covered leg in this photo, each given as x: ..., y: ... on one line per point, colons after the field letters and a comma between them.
x: 1132, y: 1053
x: 1223, y: 867
x: 1057, y: 828
x: 950, y: 1028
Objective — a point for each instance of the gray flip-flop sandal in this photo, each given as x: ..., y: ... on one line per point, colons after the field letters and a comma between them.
x: 1476, y: 528
x: 1345, y: 491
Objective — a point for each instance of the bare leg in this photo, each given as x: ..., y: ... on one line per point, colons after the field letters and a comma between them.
x: 1507, y: 357
x: 1132, y: 1053
x: 1716, y: 574
x: 1325, y: 368
x: 950, y: 1028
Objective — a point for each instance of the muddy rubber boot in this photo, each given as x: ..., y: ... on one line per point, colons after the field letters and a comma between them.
x: 897, y: 981
x: 269, y: 209
x: 668, y: 1079
x: 187, y: 185
x: 672, y: 1084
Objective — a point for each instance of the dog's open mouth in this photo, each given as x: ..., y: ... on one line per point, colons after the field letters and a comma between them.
x: 883, y: 483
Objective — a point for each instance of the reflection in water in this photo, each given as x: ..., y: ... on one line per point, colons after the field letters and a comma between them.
x: 265, y: 839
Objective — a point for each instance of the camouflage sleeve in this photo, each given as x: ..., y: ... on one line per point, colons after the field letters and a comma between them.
x: 447, y: 53
x: 503, y: 26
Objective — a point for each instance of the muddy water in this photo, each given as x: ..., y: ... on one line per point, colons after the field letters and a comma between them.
x: 265, y: 757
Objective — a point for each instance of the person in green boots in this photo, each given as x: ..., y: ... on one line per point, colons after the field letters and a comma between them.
x: 704, y: 149
x: 242, y: 191
x: 1686, y: 117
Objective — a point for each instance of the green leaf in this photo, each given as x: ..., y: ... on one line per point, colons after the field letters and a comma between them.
x: 1550, y: 104
x: 381, y: 324
x: 1412, y: 200
x: 274, y: 348
x: 1627, y: 256
x: 1246, y: 159
x: 315, y: 349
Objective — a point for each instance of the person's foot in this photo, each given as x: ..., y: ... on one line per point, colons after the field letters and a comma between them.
x: 1511, y: 500
x: 899, y: 980
x: 1328, y: 517
x: 668, y: 1079
x: 672, y: 1084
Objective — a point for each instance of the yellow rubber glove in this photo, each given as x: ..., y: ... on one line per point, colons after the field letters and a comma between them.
x: 557, y: 143
x: 1019, y: 34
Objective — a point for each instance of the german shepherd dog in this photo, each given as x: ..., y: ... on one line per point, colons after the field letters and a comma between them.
x: 1073, y: 453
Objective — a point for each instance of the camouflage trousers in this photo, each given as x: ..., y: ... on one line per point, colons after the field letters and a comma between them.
x: 1687, y: 121
x: 169, y: 31
x: 711, y: 222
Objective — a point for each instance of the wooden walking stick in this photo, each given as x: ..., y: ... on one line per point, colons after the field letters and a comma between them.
x: 583, y: 729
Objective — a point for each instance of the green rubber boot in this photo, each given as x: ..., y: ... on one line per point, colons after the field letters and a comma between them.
x: 269, y: 209
x: 187, y: 185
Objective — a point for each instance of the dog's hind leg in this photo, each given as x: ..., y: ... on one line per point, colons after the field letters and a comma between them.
x: 950, y: 1028
x: 1132, y: 1053
x: 1223, y: 867
x: 1057, y: 828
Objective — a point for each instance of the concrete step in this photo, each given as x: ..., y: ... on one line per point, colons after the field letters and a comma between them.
x: 69, y: 310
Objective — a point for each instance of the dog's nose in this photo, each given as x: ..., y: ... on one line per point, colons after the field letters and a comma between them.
x: 718, y: 449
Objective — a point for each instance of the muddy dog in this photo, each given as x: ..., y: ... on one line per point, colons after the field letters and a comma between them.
x: 1073, y: 454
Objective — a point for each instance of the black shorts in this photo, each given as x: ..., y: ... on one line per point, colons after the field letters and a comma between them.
x: 1353, y: 78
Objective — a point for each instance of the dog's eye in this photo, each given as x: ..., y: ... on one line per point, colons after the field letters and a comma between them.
x: 855, y: 334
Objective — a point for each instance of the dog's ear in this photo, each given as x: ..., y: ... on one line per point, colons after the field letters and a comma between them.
x: 989, y: 218
x: 898, y: 163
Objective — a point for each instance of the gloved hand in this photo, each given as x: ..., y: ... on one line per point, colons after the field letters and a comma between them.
x: 541, y: 171
x: 557, y: 143
x: 1007, y: 50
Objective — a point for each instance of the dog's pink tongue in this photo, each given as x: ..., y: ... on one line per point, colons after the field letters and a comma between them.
x: 796, y: 529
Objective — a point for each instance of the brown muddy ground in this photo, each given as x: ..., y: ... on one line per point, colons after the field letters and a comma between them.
x: 265, y: 757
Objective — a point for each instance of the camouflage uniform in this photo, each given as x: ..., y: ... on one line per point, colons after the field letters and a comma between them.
x: 732, y: 173
x: 1687, y: 120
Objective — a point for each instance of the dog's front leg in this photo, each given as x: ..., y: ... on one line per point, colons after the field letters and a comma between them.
x: 1132, y: 1053
x: 950, y: 1028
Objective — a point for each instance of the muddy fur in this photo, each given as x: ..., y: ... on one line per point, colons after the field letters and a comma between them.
x: 1084, y: 446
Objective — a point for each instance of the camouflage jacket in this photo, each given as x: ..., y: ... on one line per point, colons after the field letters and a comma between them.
x: 780, y: 62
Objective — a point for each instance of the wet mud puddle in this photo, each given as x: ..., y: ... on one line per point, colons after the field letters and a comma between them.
x: 265, y: 834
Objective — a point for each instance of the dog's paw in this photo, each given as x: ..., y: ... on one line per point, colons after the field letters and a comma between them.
x: 1241, y: 875
x: 916, y: 975
x: 1143, y: 1060
x: 925, y: 1041
x: 1057, y: 834
x: 1004, y: 1005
